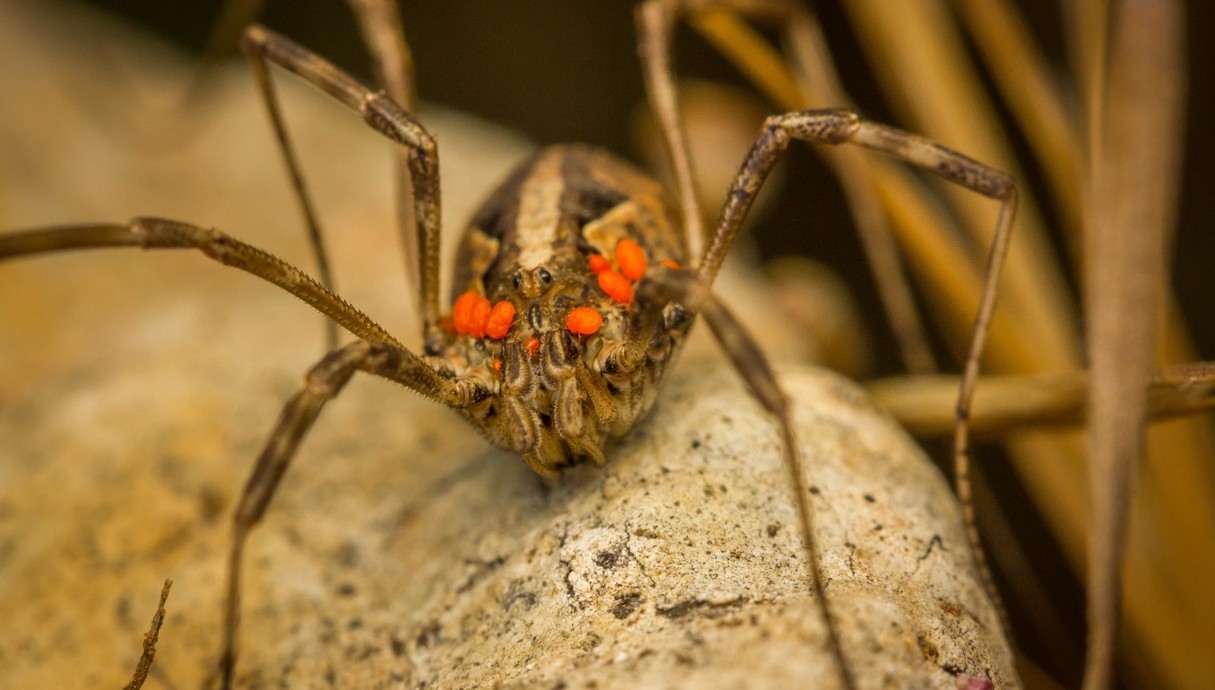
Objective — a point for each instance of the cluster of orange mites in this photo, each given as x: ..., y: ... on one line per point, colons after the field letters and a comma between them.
x: 473, y: 315
x: 616, y: 283
x: 630, y: 259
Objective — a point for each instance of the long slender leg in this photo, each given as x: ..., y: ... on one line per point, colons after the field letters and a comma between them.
x: 839, y: 127
x: 324, y: 381
x: 392, y: 62
x: 307, y: 208
x: 655, y: 26
x: 803, y: 34
x: 749, y: 361
x: 158, y: 233
x: 768, y: 72
x: 387, y: 117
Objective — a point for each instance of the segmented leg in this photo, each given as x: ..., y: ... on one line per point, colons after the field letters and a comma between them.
x: 376, y: 352
x: 749, y: 361
x: 839, y: 127
x: 717, y: 21
x: 385, y: 116
x: 392, y: 62
x: 158, y: 233
x: 324, y: 381
x: 307, y: 208
x: 655, y: 25
x: 380, y: 23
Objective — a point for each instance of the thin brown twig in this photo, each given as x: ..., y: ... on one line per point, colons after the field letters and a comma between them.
x: 149, y: 641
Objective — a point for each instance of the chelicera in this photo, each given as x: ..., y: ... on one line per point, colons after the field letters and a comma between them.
x: 551, y: 311
x: 574, y: 285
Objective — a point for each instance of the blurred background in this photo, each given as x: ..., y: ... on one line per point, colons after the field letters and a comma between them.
x: 568, y: 71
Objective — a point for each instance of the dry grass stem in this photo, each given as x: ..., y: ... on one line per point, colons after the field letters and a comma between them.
x: 1134, y: 164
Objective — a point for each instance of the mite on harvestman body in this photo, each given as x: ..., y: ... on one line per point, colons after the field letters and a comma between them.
x: 574, y: 286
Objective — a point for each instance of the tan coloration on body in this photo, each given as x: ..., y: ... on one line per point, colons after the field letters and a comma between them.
x: 536, y: 387
x: 539, y: 227
x: 560, y: 405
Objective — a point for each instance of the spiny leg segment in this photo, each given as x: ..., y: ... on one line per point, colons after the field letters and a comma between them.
x: 385, y: 116
x: 376, y: 352
x: 159, y: 233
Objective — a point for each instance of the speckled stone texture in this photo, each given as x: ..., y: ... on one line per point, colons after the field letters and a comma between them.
x: 136, y: 389
x: 675, y: 566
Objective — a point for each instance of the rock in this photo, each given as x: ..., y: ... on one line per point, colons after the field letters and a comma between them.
x: 136, y: 389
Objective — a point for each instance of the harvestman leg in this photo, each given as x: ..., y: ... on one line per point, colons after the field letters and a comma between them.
x: 657, y: 17
x: 656, y: 21
x: 159, y: 233
x: 328, y: 377
x: 380, y: 23
x: 307, y: 208
x: 839, y: 127
x: 376, y: 352
x: 383, y: 114
x: 324, y: 381
x: 686, y: 288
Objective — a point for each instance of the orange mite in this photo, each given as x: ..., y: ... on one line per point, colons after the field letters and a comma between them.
x: 461, y: 312
x: 479, y: 317
x: 669, y: 263
x: 630, y: 257
x: 583, y: 321
x: 532, y: 345
x: 616, y: 286
x: 598, y: 263
x: 500, y: 319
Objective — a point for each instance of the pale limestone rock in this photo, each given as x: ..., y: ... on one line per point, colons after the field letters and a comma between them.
x: 135, y: 390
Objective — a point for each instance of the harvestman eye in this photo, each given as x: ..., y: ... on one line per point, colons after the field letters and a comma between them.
x: 550, y: 405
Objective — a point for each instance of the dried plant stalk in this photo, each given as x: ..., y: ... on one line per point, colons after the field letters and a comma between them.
x: 1136, y: 125
x: 920, y: 59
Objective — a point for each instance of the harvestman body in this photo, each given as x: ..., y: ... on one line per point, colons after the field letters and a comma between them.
x: 574, y: 285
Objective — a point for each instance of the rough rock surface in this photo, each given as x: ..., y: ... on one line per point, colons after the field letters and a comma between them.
x: 135, y: 389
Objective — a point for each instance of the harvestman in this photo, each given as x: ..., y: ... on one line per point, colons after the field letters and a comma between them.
x: 575, y: 283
